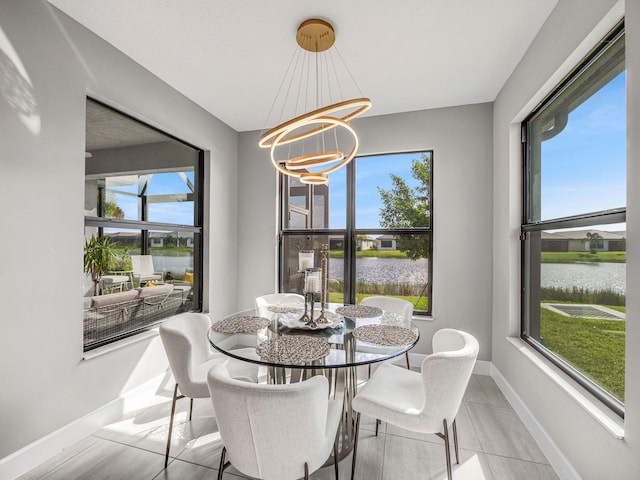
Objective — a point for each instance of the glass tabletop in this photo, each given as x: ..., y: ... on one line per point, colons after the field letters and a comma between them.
x: 275, y: 336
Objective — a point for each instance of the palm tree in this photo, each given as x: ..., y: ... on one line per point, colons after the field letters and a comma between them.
x: 595, y: 241
x: 99, y: 253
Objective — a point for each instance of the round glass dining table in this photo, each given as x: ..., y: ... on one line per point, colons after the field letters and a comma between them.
x: 341, y: 338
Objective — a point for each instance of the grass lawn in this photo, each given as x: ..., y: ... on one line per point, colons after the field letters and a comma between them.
x: 338, y: 297
x: 595, y: 347
x: 577, y: 257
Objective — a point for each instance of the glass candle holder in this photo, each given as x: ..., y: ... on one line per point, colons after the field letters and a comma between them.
x: 312, y: 280
x: 305, y: 260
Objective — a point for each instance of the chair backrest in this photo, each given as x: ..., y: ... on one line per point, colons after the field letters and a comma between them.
x: 184, y: 338
x: 142, y: 264
x: 398, y: 306
x: 270, y: 431
x: 446, y: 374
x: 264, y: 301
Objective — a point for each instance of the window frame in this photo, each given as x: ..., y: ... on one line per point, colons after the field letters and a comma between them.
x: 531, y: 226
x: 350, y: 232
x: 145, y: 227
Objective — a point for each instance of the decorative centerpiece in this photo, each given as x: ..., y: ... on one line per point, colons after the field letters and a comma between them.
x: 323, y: 289
x: 312, y: 287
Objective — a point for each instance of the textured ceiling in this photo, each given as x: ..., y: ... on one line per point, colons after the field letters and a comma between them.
x: 229, y: 56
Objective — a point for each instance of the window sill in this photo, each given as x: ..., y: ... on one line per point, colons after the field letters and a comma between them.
x: 125, y: 342
x: 422, y: 318
x: 596, y: 409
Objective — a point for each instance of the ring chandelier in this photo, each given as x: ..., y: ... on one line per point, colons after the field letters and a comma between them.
x: 308, y: 145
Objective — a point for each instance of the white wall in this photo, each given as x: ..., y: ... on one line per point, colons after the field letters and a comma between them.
x: 45, y: 382
x: 571, y: 31
x: 462, y: 174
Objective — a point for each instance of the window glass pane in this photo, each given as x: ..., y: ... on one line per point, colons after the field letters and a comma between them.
x: 170, y: 198
x: 172, y: 253
x: 327, y: 209
x: 293, y: 278
x: 574, y: 274
x: 130, y: 297
x: 577, y: 279
x: 578, y: 143
x: 121, y: 197
x: 135, y: 175
x: 393, y: 191
x: 336, y: 201
x: 298, y: 192
x: 394, y: 265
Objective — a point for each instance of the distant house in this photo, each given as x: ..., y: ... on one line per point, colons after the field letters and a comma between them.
x: 367, y: 243
x: 577, y: 241
x: 386, y: 242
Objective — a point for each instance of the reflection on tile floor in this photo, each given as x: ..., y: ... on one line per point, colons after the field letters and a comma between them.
x: 494, y: 445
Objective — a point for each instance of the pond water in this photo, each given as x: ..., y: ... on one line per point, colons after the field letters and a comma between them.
x: 384, y: 270
x: 175, y: 265
x: 591, y: 276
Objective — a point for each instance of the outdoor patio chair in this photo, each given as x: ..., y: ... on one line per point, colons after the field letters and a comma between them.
x: 143, y: 270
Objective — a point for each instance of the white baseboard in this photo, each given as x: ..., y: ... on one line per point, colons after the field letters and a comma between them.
x: 32, y: 455
x: 563, y: 468
x: 37, y: 452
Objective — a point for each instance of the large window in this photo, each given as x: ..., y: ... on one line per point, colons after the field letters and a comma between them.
x: 574, y: 230
x: 375, y: 216
x: 143, y: 226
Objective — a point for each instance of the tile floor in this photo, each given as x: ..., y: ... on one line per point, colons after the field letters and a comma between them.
x: 494, y: 445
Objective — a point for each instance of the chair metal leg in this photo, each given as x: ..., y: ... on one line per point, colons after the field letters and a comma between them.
x: 173, y: 411
x: 335, y: 456
x: 306, y: 471
x: 355, y: 446
x: 406, y: 355
x: 455, y: 441
x: 190, y: 408
x: 378, y: 422
x: 447, y: 449
x: 222, y: 466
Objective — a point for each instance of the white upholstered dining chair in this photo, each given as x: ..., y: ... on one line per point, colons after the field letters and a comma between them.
x: 274, y: 432
x: 398, y: 306
x: 425, y: 402
x: 263, y: 302
x: 190, y: 357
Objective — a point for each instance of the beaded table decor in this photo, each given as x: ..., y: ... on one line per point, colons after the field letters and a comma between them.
x: 292, y: 320
x: 240, y: 325
x: 293, y: 350
x: 286, y: 307
x: 359, y: 311
x: 385, y: 335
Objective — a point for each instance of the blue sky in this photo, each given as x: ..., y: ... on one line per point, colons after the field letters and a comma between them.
x: 161, y: 183
x: 372, y: 171
x: 584, y: 170
x: 584, y: 166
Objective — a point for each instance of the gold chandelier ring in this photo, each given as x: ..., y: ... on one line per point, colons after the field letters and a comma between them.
x: 333, y: 122
x: 314, y: 160
x: 268, y: 138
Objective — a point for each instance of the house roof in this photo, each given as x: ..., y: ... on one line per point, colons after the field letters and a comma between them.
x: 582, y: 235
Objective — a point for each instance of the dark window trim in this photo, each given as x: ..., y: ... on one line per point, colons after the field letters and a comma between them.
x: 350, y: 243
x: 145, y: 226
x: 609, y: 216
